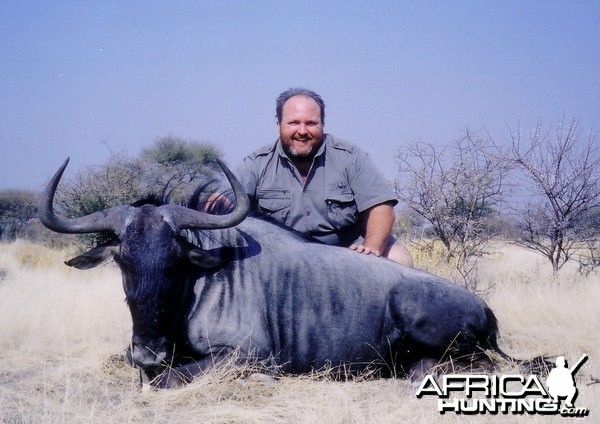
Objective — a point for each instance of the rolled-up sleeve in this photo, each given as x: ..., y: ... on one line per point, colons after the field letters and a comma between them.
x: 369, y: 186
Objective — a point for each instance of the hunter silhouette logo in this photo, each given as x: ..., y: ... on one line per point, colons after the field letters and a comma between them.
x: 561, y: 381
x: 507, y: 394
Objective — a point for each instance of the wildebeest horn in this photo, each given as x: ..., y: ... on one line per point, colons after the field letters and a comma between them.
x: 106, y: 220
x: 113, y: 219
x: 182, y: 217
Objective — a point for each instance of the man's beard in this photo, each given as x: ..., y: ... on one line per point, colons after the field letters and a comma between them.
x: 294, y: 153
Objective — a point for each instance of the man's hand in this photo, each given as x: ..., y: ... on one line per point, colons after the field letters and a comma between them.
x: 378, y: 222
x: 361, y: 248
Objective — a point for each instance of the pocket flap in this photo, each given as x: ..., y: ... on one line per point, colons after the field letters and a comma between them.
x: 273, y: 200
x: 337, y: 197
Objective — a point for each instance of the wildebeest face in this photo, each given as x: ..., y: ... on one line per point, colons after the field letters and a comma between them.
x: 155, y: 262
x: 151, y: 259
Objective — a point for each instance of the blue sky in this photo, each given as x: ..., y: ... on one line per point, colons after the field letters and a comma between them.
x: 84, y: 78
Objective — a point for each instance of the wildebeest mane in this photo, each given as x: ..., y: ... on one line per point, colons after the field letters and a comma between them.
x: 211, y: 197
x: 151, y: 199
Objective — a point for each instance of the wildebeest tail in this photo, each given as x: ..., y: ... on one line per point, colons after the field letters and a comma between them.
x: 537, y: 365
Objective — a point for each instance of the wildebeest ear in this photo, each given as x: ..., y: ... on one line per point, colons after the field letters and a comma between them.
x: 95, y: 256
x: 204, y: 259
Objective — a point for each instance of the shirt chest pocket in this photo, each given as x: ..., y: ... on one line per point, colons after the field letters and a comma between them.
x: 274, y: 203
x: 341, y: 209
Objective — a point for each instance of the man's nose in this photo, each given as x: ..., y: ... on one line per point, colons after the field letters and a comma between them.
x: 302, y: 129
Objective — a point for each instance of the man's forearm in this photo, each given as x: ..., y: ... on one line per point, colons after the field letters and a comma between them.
x: 379, y: 224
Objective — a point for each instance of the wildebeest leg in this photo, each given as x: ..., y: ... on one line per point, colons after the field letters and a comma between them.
x: 180, y: 375
x: 146, y: 378
x: 419, y: 369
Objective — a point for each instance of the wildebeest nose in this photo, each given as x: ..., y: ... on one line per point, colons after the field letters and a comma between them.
x: 149, y: 355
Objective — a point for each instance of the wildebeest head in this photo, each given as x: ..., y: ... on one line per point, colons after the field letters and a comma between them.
x: 155, y: 260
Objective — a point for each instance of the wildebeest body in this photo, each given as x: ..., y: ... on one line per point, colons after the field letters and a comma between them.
x: 310, y: 305
x: 201, y: 286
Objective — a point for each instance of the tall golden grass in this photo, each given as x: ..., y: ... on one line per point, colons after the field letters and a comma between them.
x: 62, y: 332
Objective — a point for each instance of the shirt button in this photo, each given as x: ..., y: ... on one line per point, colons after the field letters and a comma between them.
x: 308, y: 213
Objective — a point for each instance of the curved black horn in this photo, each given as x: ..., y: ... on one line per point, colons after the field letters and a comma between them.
x: 106, y: 220
x: 183, y: 217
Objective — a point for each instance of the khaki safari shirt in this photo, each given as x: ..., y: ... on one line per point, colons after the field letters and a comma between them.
x: 342, y: 182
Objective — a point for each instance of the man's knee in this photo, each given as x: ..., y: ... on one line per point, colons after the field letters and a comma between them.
x: 398, y: 253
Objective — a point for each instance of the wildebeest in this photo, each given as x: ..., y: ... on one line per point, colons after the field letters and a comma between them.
x: 201, y: 286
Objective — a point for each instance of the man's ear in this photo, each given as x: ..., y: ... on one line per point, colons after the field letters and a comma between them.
x: 95, y: 257
x: 204, y: 259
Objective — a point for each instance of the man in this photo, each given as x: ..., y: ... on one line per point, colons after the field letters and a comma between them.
x: 321, y: 185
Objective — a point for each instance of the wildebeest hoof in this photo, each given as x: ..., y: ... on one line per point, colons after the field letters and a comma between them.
x: 420, y: 369
x: 170, y: 379
x: 259, y: 377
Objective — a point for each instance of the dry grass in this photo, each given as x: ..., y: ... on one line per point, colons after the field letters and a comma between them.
x: 61, y: 332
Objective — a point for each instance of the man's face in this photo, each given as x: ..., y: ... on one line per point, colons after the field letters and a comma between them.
x: 301, y: 129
